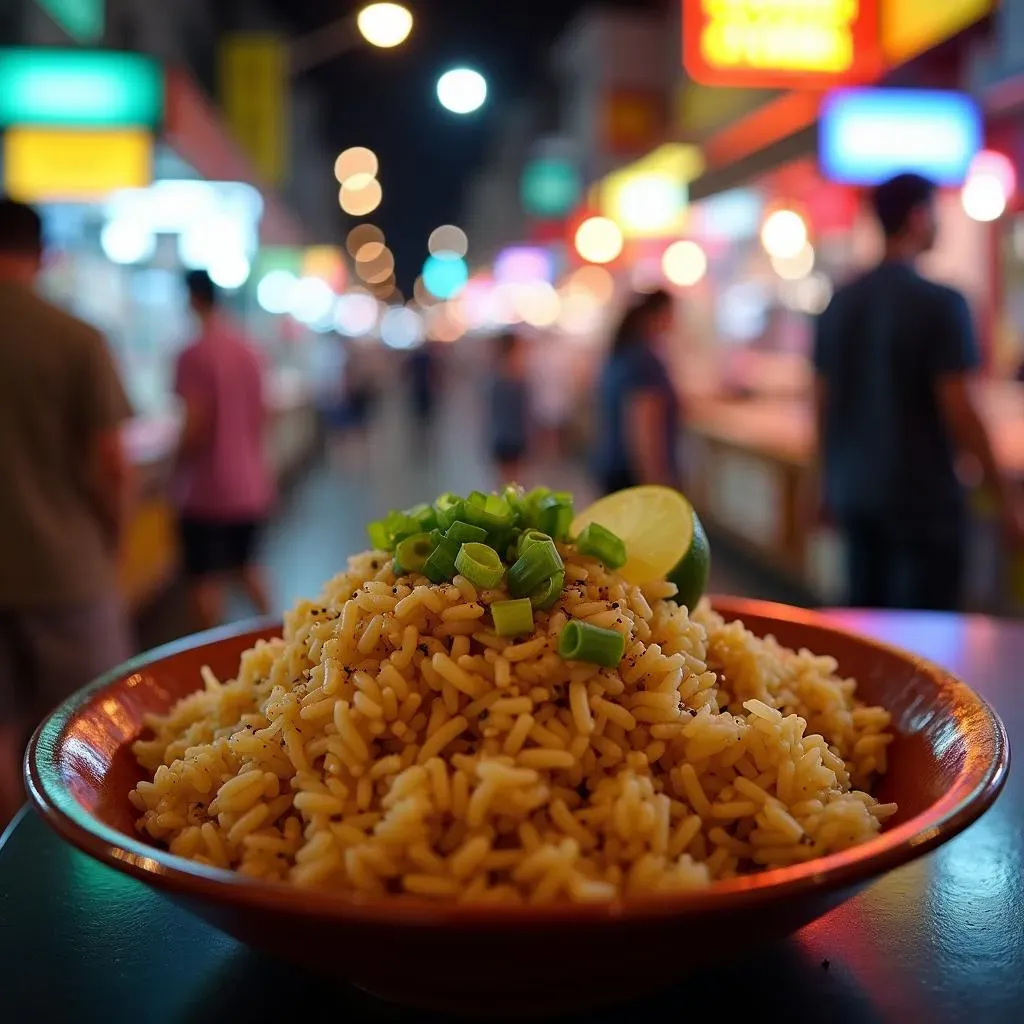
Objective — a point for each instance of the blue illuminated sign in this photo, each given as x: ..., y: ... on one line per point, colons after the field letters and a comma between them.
x: 868, y: 135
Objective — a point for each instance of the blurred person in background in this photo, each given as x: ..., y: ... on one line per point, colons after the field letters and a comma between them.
x: 896, y: 357
x: 225, y: 480
x: 65, y: 498
x: 508, y: 410
x: 424, y: 384
x: 638, y: 410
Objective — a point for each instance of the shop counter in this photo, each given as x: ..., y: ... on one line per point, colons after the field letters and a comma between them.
x: 749, y: 470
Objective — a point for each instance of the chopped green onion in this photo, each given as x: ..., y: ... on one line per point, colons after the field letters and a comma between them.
x: 547, y: 594
x: 464, y: 533
x: 413, y: 552
x: 600, y: 543
x: 480, y: 565
x: 512, y: 618
x: 529, y: 538
x: 555, y: 515
x: 490, y: 512
x: 448, y: 508
x: 380, y: 536
x: 580, y: 641
x: 440, y: 566
x: 539, y: 562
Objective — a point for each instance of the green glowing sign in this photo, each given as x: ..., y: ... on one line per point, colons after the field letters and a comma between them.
x: 83, y: 20
x: 550, y: 187
x: 79, y: 89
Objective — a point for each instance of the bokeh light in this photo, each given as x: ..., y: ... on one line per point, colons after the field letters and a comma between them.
x: 648, y: 204
x: 684, y: 263
x: 385, y: 25
x: 598, y: 240
x: 378, y: 269
x: 983, y: 197
x: 793, y: 268
x: 448, y: 238
x: 422, y: 294
x: 356, y: 314
x: 580, y: 313
x: 362, y: 201
x: 401, y: 328
x: 274, y: 291
x: 125, y: 241
x: 595, y: 281
x: 784, y: 234
x: 445, y: 274
x: 538, y: 304
x: 444, y: 323
x: 462, y: 90
x: 523, y: 264
x: 370, y: 252
x: 230, y: 270
x: 312, y: 300
x: 360, y: 235
x: 550, y: 187
x: 996, y: 165
x: 355, y: 162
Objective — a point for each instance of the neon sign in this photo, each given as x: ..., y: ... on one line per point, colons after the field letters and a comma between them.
x: 780, y: 43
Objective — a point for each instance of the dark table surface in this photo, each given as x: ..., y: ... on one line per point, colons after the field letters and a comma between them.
x: 940, y: 940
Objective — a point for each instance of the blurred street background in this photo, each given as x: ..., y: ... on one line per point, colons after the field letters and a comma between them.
x: 378, y: 192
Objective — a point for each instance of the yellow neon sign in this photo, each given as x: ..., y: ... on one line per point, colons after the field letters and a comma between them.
x: 42, y: 165
x: 761, y: 43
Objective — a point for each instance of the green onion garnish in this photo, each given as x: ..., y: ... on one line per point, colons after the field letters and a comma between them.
x: 448, y: 508
x: 547, y: 594
x: 464, y: 533
x: 489, y: 511
x: 530, y: 537
x: 555, y: 515
x: 480, y: 565
x: 380, y: 537
x: 538, y: 563
x: 580, y: 641
x: 412, y: 553
x: 440, y: 566
x: 512, y: 618
x: 600, y: 543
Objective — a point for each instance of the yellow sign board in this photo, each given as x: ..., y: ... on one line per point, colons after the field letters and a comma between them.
x: 648, y: 199
x: 909, y: 27
x: 254, y: 98
x: 43, y: 165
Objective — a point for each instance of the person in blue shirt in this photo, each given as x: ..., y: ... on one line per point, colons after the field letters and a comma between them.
x: 508, y: 405
x: 895, y: 358
x: 638, y: 409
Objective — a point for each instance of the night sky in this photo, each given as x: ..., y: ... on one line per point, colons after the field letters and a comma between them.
x: 386, y: 100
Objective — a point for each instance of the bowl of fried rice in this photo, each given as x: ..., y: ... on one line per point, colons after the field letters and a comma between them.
x: 494, y: 765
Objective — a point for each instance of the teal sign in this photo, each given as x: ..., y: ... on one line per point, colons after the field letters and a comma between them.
x: 83, y: 20
x: 550, y: 187
x: 79, y: 89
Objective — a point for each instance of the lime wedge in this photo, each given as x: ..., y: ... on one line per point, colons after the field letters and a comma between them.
x: 655, y: 523
x: 692, y: 571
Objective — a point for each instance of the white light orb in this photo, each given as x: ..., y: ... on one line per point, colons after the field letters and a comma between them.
x: 312, y: 300
x: 784, y: 234
x: 274, y: 292
x: 385, y: 25
x: 684, y: 263
x: 983, y: 197
x: 126, y: 242
x: 462, y: 90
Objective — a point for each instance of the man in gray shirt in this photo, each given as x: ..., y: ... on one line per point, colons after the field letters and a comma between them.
x: 62, y: 504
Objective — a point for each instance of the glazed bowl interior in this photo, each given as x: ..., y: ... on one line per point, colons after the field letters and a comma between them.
x: 948, y: 762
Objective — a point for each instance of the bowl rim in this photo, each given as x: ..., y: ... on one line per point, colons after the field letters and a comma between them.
x: 976, y: 788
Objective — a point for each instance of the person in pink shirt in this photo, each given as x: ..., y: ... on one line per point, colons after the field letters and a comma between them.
x: 225, y: 483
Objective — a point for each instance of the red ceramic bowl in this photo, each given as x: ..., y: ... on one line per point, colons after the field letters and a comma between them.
x: 948, y: 764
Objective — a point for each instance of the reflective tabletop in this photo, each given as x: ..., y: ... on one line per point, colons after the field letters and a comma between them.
x: 941, y: 940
